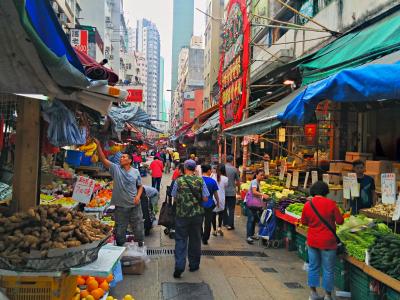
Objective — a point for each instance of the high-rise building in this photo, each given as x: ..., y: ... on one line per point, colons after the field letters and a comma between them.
x: 107, y: 16
x: 163, y: 112
x: 67, y: 12
x: 181, y: 34
x: 148, y: 42
x: 212, y: 42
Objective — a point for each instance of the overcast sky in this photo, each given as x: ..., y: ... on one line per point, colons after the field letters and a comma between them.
x: 160, y: 13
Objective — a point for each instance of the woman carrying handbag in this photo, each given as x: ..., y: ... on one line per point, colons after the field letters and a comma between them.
x: 255, y: 205
x: 321, y: 216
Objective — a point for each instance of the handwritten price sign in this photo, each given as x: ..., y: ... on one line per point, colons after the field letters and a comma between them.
x: 388, y: 188
x: 83, y: 189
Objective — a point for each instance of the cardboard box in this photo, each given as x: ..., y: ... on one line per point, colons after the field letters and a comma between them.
x: 132, y: 265
x: 339, y: 166
x: 379, y: 166
x: 352, y: 156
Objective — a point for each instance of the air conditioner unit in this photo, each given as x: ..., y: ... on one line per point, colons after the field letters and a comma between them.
x: 110, y: 25
x: 111, y: 57
x: 108, y: 19
x: 63, y: 18
x: 55, y: 6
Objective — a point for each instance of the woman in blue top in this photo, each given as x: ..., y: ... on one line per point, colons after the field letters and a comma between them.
x: 209, y: 206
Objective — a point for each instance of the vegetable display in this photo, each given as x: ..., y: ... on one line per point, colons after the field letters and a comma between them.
x: 385, y: 254
x: 385, y: 210
x: 44, y: 228
x: 295, y: 208
x: 284, y: 203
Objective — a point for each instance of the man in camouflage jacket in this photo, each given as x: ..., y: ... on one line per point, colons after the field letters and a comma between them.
x: 188, y: 192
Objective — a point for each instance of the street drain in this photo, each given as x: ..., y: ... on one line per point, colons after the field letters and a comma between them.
x: 169, y: 252
x: 293, y: 285
x: 269, y: 270
x: 186, y: 291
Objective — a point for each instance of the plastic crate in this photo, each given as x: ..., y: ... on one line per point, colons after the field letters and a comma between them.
x: 301, y: 246
x: 39, y: 287
x: 392, y: 294
x: 74, y: 158
x: 342, y: 275
x: 359, y: 285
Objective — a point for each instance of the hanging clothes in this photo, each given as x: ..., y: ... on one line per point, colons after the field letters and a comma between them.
x: 63, y: 129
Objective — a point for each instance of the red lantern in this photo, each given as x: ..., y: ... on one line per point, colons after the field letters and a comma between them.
x: 310, y: 132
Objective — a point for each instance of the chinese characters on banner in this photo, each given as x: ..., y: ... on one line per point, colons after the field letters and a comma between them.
x: 83, y: 189
x: 234, y: 64
x: 135, y: 95
x: 80, y: 40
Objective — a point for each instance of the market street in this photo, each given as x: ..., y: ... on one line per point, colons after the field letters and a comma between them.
x: 228, y: 277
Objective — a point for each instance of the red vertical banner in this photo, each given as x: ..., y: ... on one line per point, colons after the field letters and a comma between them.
x: 80, y: 40
x: 135, y: 95
x: 234, y: 64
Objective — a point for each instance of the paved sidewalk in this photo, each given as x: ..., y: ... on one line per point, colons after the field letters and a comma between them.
x: 219, y: 277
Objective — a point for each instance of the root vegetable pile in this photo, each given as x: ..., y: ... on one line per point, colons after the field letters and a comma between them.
x: 44, y: 228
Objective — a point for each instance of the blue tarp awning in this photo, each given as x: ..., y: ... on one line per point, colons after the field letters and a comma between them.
x: 374, y: 82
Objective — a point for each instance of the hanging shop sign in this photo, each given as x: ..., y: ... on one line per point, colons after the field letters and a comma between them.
x: 135, y: 95
x: 234, y: 64
x: 80, y: 40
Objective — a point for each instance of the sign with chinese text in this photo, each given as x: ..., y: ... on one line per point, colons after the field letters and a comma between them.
x: 388, y: 188
x: 83, y: 189
x: 295, y: 180
x: 354, y: 185
x: 281, y: 135
x: 306, y: 179
x: 135, y: 95
x: 314, y: 177
x: 80, y: 40
x: 260, y: 15
x: 234, y: 64
x: 288, y: 180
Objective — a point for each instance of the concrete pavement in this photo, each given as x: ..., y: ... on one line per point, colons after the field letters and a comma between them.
x: 279, y: 275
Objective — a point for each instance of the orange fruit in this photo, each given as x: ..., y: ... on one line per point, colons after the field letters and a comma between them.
x: 97, y: 293
x: 110, y: 278
x: 80, y: 281
x: 92, y: 285
x: 100, y: 279
x: 104, y: 285
x: 84, y: 293
x: 89, y: 278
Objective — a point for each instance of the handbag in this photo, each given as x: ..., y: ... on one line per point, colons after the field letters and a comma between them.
x: 167, y: 214
x: 340, y: 246
x: 253, y: 201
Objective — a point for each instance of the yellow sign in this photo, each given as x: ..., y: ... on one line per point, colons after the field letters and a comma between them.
x: 282, y: 135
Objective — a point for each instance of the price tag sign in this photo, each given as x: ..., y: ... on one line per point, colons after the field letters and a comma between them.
x: 396, y: 214
x: 354, y: 185
x: 295, y: 180
x: 262, y: 145
x: 346, y: 187
x: 282, y: 173
x: 306, y: 180
x: 288, y: 180
x: 314, y: 177
x: 266, y: 168
x: 388, y: 188
x: 83, y: 189
x: 325, y: 178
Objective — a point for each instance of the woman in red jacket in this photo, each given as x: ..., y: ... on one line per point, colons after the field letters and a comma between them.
x: 321, y: 241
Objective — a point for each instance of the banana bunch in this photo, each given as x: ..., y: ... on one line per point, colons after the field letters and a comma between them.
x: 88, y: 148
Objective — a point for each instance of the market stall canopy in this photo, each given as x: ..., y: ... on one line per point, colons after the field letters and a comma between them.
x: 130, y: 114
x: 263, y: 121
x: 369, y: 83
x: 37, y: 58
x: 354, y: 48
x: 209, y: 125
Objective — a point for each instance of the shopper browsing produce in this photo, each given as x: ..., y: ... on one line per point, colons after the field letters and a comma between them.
x: 255, y: 204
x: 126, y: 196
x: 321, y: 240
x: 367, y: 188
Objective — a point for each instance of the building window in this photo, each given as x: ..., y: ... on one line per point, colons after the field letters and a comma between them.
x: 191, y: 113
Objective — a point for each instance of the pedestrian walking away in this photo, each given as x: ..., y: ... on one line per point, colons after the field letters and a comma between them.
x: 189, y: 192
x: 220, y: 177
x: 168, y: 162
x: 126, y: 196
x: 321, y: 240
x: 209, y: 206
x: 230, y: 193
x: 254, y: 204
x: 156, y: 168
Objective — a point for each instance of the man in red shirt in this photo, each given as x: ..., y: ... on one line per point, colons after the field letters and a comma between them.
x: 156, y: 168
